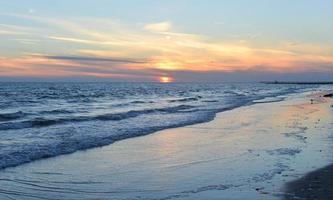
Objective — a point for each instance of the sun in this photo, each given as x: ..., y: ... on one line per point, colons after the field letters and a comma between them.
x: 165, y: 79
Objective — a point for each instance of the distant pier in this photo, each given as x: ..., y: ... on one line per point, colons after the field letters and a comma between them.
x: 298, y: 82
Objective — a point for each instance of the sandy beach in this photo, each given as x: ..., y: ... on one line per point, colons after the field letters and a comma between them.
x: 315, y: 185
x: 262, y: 151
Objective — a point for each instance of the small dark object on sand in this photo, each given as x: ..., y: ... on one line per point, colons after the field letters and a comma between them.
x: 328, y: 95
x: 311, y: 101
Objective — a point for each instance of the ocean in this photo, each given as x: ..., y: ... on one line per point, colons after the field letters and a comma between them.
x: 41, y: 120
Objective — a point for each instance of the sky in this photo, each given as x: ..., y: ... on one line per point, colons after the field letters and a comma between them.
x: 166, y: 40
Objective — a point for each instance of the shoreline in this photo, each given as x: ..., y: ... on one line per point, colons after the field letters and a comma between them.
x: 209, y: 116
x: 249, y: 152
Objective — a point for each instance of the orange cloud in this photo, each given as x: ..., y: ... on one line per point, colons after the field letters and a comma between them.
x: 160, y: 48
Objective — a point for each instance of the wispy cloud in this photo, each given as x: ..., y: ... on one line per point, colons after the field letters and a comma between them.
x: 5, y: 32
x: 6, y: 29
x: 16, y: 29
x: 158, y: 27
x: 94, y: 59
x: 121, y: 49
x: 75, y: 40
x: 27, y: 41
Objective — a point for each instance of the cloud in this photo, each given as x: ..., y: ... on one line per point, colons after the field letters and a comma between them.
x: 8, y: 29
x: 68, y: 39
x: 50, y: 67
x: 94, y: 59
x: 250, y: 76
x: 158, y: 27
x: 27, y: 41
x: 5, y: 32
x: 120, y: 49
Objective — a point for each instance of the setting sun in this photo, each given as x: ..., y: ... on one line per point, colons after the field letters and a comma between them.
x: 165, y: 79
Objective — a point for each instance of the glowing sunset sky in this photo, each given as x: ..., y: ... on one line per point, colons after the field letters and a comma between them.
x: 183, y: 40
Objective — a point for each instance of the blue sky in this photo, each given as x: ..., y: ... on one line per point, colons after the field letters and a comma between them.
x: 280, y: 39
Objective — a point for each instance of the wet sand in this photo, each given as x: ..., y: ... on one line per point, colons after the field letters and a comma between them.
x: 315, y: 185
x: 250, y: 152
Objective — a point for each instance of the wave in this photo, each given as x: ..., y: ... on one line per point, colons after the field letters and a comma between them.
x: 12, y: 116
x: 65, y: 140
x: 269, y: 100
x: 184, y: 99
x: 210, y: 101
x: 40, y: 122
x: 141, y: 102
x: 132, y: 102
x: 57, y: 111
x: 28, y: 139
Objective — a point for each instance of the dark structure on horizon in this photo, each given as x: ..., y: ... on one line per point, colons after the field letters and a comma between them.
x: 298, y: 82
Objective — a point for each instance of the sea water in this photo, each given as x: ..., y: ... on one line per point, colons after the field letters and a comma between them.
x: 40, y: 120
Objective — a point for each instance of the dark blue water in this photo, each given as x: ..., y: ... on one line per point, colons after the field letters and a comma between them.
x: 40, y: 120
